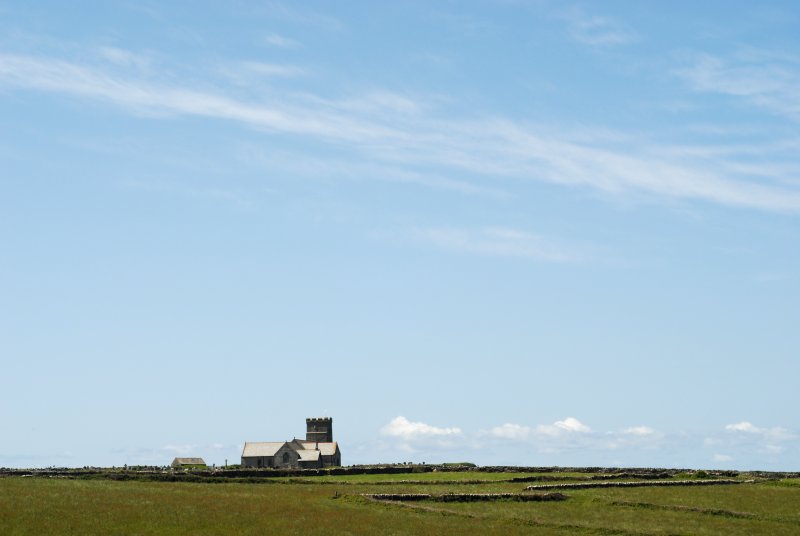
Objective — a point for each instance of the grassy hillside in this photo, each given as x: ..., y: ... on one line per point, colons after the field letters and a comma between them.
x: 337, y: 505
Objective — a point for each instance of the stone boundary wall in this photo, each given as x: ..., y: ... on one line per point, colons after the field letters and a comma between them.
x: 465, y: 497
x: 605, y: 476
x: 639, y: 484
x: 549, y: 473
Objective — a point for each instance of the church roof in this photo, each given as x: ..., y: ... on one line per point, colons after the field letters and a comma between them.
x: 261, y: 448
x: 326, y: 449
x: 308, y: 455
x: 269, y: 448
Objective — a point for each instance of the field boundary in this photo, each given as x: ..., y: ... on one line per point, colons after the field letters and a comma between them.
x: 639, y: 484
x: 464, y: 497
x: 682, y: 508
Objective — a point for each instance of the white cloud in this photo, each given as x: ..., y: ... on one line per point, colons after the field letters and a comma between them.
x: 511, y: 431
x: 571, y: 439
x: 774, y: 434
x: 189, y: 190
x: 397, y: 133
x: 272, y: 69
x: 778, y: 434
x: 494, y: 241
x: 743, y: 426
x: 764, y: 79
x: 597, y: 30
x: 639, y: 431
x: 255, y: 75
x: 379, y: 101
x: 746, y: 437
x: 569, y: 425
x: 340, y: 168
x: 402, y: 428
x: 60, y: 76
x: 570, y: 435
x: 280, y: 41
x: 125, y: 58
x: 571, y: 428
x: 292, y: 12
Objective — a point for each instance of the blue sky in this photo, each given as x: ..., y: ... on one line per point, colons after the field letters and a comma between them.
x: 506, y: 232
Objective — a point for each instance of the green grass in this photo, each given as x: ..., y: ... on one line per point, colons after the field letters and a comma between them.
x: 332, y: 505
x: 445, y: 476
x: 742, y: 509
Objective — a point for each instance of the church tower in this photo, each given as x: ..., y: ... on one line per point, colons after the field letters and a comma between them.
x: 319, y: 430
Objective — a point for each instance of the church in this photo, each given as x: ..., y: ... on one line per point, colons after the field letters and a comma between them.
x: 316, y: 451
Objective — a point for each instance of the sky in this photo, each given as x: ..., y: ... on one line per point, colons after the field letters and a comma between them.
x: 506, y: 232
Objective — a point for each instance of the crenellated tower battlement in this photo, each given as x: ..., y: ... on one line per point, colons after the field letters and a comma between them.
x: 319, y: 429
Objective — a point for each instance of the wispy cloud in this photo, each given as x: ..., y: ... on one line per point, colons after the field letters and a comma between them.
x: 495, y: 242
x: 397, y: 132
x: 125, y: 58
x: 272, y: 69
x: 597, y: 30
x: 277, y: 40
x: 342, y: 168
x: 761, y: 78
x: 288, y: 11
x: 214, y: 193
x: 252, y: 74
x: 66, y: 77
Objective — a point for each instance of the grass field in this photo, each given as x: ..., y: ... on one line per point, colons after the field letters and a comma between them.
x: 335, y: 505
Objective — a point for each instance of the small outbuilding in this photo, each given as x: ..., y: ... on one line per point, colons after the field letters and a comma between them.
x: 189, y: 463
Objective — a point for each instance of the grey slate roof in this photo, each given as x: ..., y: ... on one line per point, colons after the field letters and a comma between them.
x: 269, y: 448
x: 262, y: 448
x: 308, y: 455
x: 327, y: 449
x: 188, y: 461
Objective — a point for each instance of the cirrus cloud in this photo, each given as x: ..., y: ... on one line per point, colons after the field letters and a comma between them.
x: 384, y: 133
x: 597, y: 30
x: 495, y: 242
x: 762, y: 78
